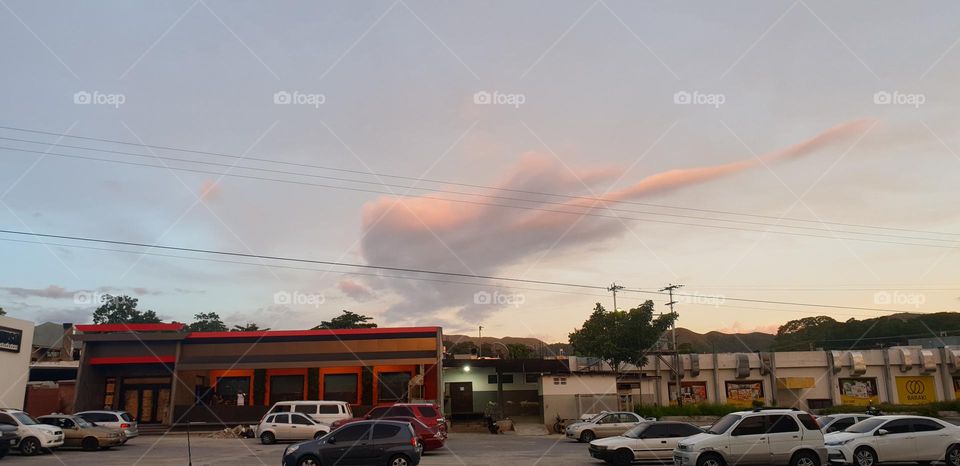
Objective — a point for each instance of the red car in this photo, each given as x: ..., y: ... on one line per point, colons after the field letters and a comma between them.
x: 427, y: 413
x: 431, y: 438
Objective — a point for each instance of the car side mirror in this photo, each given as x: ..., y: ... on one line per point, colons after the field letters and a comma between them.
x: 881, y: 432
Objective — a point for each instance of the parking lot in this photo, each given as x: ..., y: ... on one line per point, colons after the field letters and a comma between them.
x: 462, y: 449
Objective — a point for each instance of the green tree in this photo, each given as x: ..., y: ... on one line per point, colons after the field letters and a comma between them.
x: 248, y: 327
x: 2, y: 312
x: 619, y: 337
x: 122, y: 310
x: 519, y: 351
x: 802, y: 334
x: 346, y: 320
x: 207, y: 322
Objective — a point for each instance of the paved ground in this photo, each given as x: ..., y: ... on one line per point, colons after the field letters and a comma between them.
x: 462, y: 449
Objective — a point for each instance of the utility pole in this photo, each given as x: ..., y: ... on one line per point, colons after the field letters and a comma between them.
x: 480, y: 346
x: 676, y: 354
x: 614, y: 288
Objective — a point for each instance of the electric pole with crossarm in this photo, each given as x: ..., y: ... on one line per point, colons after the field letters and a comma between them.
x: 676, y: 354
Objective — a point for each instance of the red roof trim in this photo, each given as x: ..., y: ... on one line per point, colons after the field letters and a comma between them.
x: 308, y: 333
x: 133, y: 360
x: 97, y: 328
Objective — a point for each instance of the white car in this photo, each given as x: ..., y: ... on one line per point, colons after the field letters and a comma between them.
x: 882, y: 439
x: 761, y: 436
x: 649, y: 441
x: 120, y: 420
x: 838, y: 422
x: 324, y: 412
x: 34, y: 436
x: 289, y: 426
x: 605, y: 424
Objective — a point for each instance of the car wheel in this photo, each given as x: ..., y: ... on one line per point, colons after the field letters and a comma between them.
x: 622, y: 457
x: 710, y: 460
x: 90, y: 444
x: 399, y: 460
x: 308, y: 460
x: 805, y: 458
x: 864, y: 456
x: 29, y: 446
x: 587, y: 436
x: 953, y: 456
x: 267, y: 438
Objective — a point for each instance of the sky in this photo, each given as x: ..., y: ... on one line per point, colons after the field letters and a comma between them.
x: 799, y: 152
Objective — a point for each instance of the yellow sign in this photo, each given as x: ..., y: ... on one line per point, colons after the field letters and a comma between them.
x: 916, y: 390
x: 795, y: 383
x: 859, y: 391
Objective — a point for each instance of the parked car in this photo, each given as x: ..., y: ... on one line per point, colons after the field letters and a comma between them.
x: 767, y: 436
x: 289, y: 426
x: 606, y: 424
x: 432, y: 438
x: 427, y: 413
x: 79, y: 433
x: 838, y: 422
x: 649, y: 441
x: 883, y: 439
x: 363, y: 442
x: 34, y: 436
x: 324, y: 412
x: 8, y: 439
x: 121, y: 420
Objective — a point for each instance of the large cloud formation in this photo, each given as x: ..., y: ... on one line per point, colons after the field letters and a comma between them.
x: 436, y: 234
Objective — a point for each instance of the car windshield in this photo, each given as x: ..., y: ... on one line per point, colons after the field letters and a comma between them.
x: 865, y: 426
x: 596, y: 417
x: 25, y: 419
x: 81, y: 422
x: 636, y: 431
x: 825, y: 420
x: 723, y: 424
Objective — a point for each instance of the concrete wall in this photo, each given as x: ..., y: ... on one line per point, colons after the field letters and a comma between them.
x: 15, y: 364
x: 570, y: 396
x: 519, y: 397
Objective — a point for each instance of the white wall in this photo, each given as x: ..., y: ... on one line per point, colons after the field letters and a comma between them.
x: 16, y: 366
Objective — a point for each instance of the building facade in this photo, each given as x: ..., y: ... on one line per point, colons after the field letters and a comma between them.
x: 16, y: 339
x: 163, y: 374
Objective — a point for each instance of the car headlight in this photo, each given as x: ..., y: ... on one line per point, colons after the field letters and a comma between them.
x: 291, y: 449
x: 839, y: 442
x: 599, y: 447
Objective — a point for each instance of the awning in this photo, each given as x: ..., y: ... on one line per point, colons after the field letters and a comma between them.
x: 795, y: 383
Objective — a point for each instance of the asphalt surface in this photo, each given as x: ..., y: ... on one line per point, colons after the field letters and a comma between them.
x: 462, y: 449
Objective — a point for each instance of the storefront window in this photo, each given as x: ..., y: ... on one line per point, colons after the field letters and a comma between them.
x: 340, y: 387
x: 393, y: 386
x: 228, y: 387
x: 286, y: 388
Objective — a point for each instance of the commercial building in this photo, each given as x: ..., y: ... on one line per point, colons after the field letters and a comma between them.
x: 163, y: 374
x: 16, y: 339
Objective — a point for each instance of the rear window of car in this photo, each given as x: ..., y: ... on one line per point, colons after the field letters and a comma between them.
x: 427, y: 411
x: 385, y: 431
x: 808, y: 421
x: 125, y: 417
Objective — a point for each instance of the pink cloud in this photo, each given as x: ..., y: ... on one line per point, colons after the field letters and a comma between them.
x: 737, y: 327
x: 355, y: 290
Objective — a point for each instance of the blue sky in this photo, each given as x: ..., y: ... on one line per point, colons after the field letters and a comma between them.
x: 598, y: 82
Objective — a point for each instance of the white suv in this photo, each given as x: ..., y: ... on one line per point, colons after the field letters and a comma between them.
x: 895, y: 439
x: 34, y: 436
x: 762, y: 436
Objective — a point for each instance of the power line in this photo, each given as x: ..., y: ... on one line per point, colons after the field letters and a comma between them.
x: 410, y: 270
x: 463, y: 201
x: 416, y: 179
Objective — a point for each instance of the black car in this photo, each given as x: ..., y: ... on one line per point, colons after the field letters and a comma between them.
x: 378, y: 442
x: 8, y: 439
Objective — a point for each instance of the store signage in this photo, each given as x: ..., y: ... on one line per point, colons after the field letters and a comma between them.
x: 859, y: 391
x: 744, y: 393
x: 916, y: 390
x: 10, y: 339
